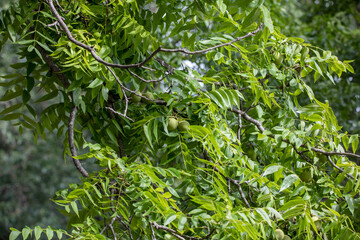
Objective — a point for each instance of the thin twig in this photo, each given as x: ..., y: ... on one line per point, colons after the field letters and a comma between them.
x: 236, y: 183
x: 112, y: 110
x: 152, y: 232
x: 335, y: 153
x: 143, y: 79
x: 240, y: 125
x: 126, y: 226
x: 170, y: 69
x: 122, y: 90
x: 173, y: 232
x: 338, y: 168
x: 72, y: 145
x: 240, y: 191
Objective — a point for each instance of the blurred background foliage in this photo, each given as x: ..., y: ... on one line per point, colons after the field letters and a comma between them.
x: 30, y: 174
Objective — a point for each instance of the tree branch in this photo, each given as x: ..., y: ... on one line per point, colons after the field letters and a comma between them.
x: 248, y: 118
x: 174, y: 233
x: 72, y: 145
x: 338, y: 168
x: 262, y: 129
x: 144, y: 80
x: 140, y: 64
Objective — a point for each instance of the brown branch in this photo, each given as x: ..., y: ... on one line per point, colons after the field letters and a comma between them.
x: 240, y: 191
x: 335, y: 153
x: 233, y: 85
x: 153, y: 237
x: 170, y: 69
x: 72, y: 145
x: 338, y: 168
x: 174, y: 233
x: 248, y: 118
x: 126, y: 226
x: 236, y: 184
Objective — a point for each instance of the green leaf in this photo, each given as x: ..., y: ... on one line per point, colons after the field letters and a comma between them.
x: 288, y: 181
x: 147, y: 132
x: 59, y: 234
x: 272, y: 169
x: 182, y: 222
x: 11, y: 108
x: 345, y: 140
x: 10, y: 95
x: 267, y: 19
x: 252, y: 17
x: 14, y: 234
x: 354, y: 140
x: 49, y: 233
x: 97, y: 82
x: 169, y: 218
x: 10, y: 116
x: 350, y: 202
x: 25, y: 232
x: 48, y: 96
x: 37, y: 231
x: 264, y: 215
x: 75, y: 208
x: 293, y: 203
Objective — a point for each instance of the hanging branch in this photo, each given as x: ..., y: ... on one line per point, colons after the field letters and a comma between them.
x: 72, y: 145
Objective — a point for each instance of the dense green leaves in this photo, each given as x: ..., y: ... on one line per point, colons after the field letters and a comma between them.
x: 238, y: 172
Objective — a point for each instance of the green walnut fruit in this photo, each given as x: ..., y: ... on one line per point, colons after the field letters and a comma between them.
x: 135, y: 98
x: 306, y: 175
x: 150, y: 96
x: 252, y: 154
x: 286, y: 237
x: 279, y: 234
x: 184, y: 126
x: 278, y: 58
x: 172, y: 124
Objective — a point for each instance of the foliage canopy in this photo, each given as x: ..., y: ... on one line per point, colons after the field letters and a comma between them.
x: 253, y: 160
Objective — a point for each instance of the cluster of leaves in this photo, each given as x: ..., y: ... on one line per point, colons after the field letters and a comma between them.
x: 332, y: 25
x: 253, y: 160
